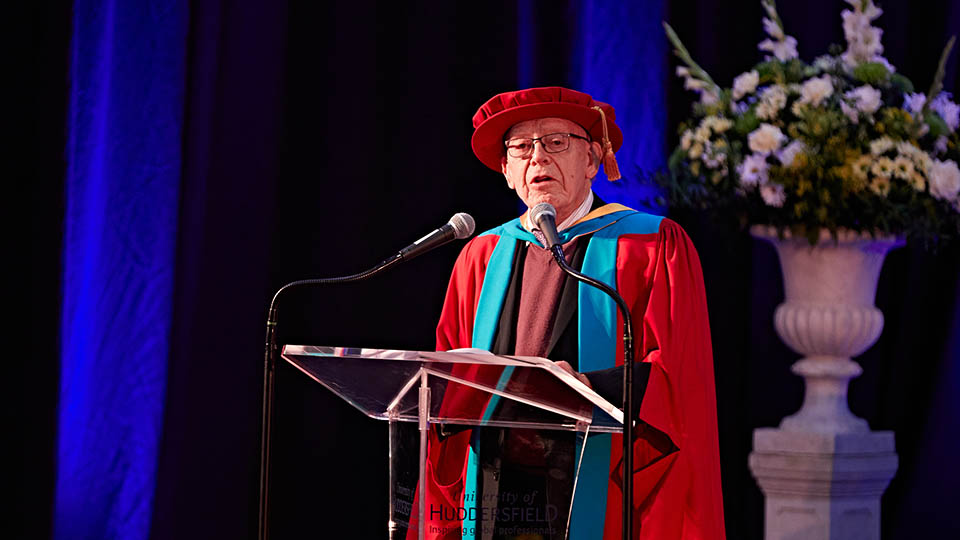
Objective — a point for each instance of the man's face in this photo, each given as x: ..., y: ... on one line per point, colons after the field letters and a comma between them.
x: 561, y: 179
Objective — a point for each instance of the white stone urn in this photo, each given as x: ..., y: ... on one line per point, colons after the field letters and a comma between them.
x: 828, y: 316
x: 822, y: 472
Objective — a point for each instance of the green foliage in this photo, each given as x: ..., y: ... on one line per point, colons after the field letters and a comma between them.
x: 901, y: 83
x: 872, y: 73
x: 937, y: 126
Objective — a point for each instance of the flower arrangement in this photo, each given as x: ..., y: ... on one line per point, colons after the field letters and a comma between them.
x: 844, y: 142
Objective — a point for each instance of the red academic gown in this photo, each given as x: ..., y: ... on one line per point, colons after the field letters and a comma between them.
x: 676, y: 479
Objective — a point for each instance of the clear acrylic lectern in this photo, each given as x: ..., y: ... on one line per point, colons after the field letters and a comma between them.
x: 528, y: 422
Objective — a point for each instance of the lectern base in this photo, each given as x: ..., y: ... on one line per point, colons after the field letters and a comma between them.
x: 821, y: 486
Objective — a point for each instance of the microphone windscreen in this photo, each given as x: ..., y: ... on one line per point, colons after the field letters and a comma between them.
x: 463, y: 225
x: 541, y: 210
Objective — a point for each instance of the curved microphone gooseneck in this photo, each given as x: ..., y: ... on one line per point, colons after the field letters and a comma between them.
x: 544, y: 215
x: 460, y: 226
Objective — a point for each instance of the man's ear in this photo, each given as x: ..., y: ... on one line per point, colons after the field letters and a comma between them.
x: 595, y: 153
x: 503, y: 169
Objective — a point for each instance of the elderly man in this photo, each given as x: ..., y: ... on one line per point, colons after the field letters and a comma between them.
x: 506, y: 295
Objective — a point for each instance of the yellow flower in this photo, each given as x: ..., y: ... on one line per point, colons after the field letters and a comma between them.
x: 903, y: 168
x: 854, y: 184
x: 861, y: 167
x: 917, y: 181
x: 880, y: 185
x: 882, y: 167
x: 718, y: 124
x: 800, y: 209
x: 696, y: 150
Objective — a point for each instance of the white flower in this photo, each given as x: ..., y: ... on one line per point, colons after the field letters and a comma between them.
x: 686, y: 139
x: 789, y: 153
x: 871, y: 11
x: 882, y: 145
x: 920, y: 159
x: 863, y: 39
x: 825, y: 63
x: 753, y: 170
x: 782, y: 46
x: 940, y: 145
x: 948, y: 110
x: 709, y: 97
x: 905, y: 148
x: 772, y: 99
x: 784, y: 50
x: 765, y: 139
x: 944, y: 179
x: 683, y: 71
x: 773, y: 29
x: 712, y: 161
x: 773, y: 194
x: 866, y: 97
x: 851, y: 112
x: 815, y: 90
x: 914, y: 102
x: 694, y: 84
x: 745, y: 84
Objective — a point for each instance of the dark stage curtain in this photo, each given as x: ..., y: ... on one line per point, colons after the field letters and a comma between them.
x: 318, y: 139
x: 35, y: 396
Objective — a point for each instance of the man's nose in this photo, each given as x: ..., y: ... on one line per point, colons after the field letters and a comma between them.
x: 539, y: 153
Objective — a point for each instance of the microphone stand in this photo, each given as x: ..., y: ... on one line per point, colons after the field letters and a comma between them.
x: 461, y: 225
x: 627, y: 524
x: 269, y: 367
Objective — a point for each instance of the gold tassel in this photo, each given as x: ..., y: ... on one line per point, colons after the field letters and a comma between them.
x: 610, y: 166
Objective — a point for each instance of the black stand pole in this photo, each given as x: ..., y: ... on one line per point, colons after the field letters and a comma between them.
x: 627, y: 524
x: 269, y: 368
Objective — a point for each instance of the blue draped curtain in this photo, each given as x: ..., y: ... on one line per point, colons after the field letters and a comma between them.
x: 619, y: 56
x: 123, y: 177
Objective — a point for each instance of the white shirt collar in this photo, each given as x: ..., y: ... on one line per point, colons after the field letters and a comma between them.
x: 577, y: 214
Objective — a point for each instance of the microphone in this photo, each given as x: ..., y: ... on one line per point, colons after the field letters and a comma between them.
x: 544, y: 215
x: 461, y: 225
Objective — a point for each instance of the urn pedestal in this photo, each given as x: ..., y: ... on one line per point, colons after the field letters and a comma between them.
x: 822, y: 471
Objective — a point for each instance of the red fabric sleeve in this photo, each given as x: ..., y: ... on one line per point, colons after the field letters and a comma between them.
x: 677, y: 494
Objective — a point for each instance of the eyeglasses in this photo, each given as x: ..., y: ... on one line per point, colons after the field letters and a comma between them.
x: 552, y: 143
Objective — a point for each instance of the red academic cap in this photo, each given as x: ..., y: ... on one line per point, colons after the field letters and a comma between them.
x: 502, y: 111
